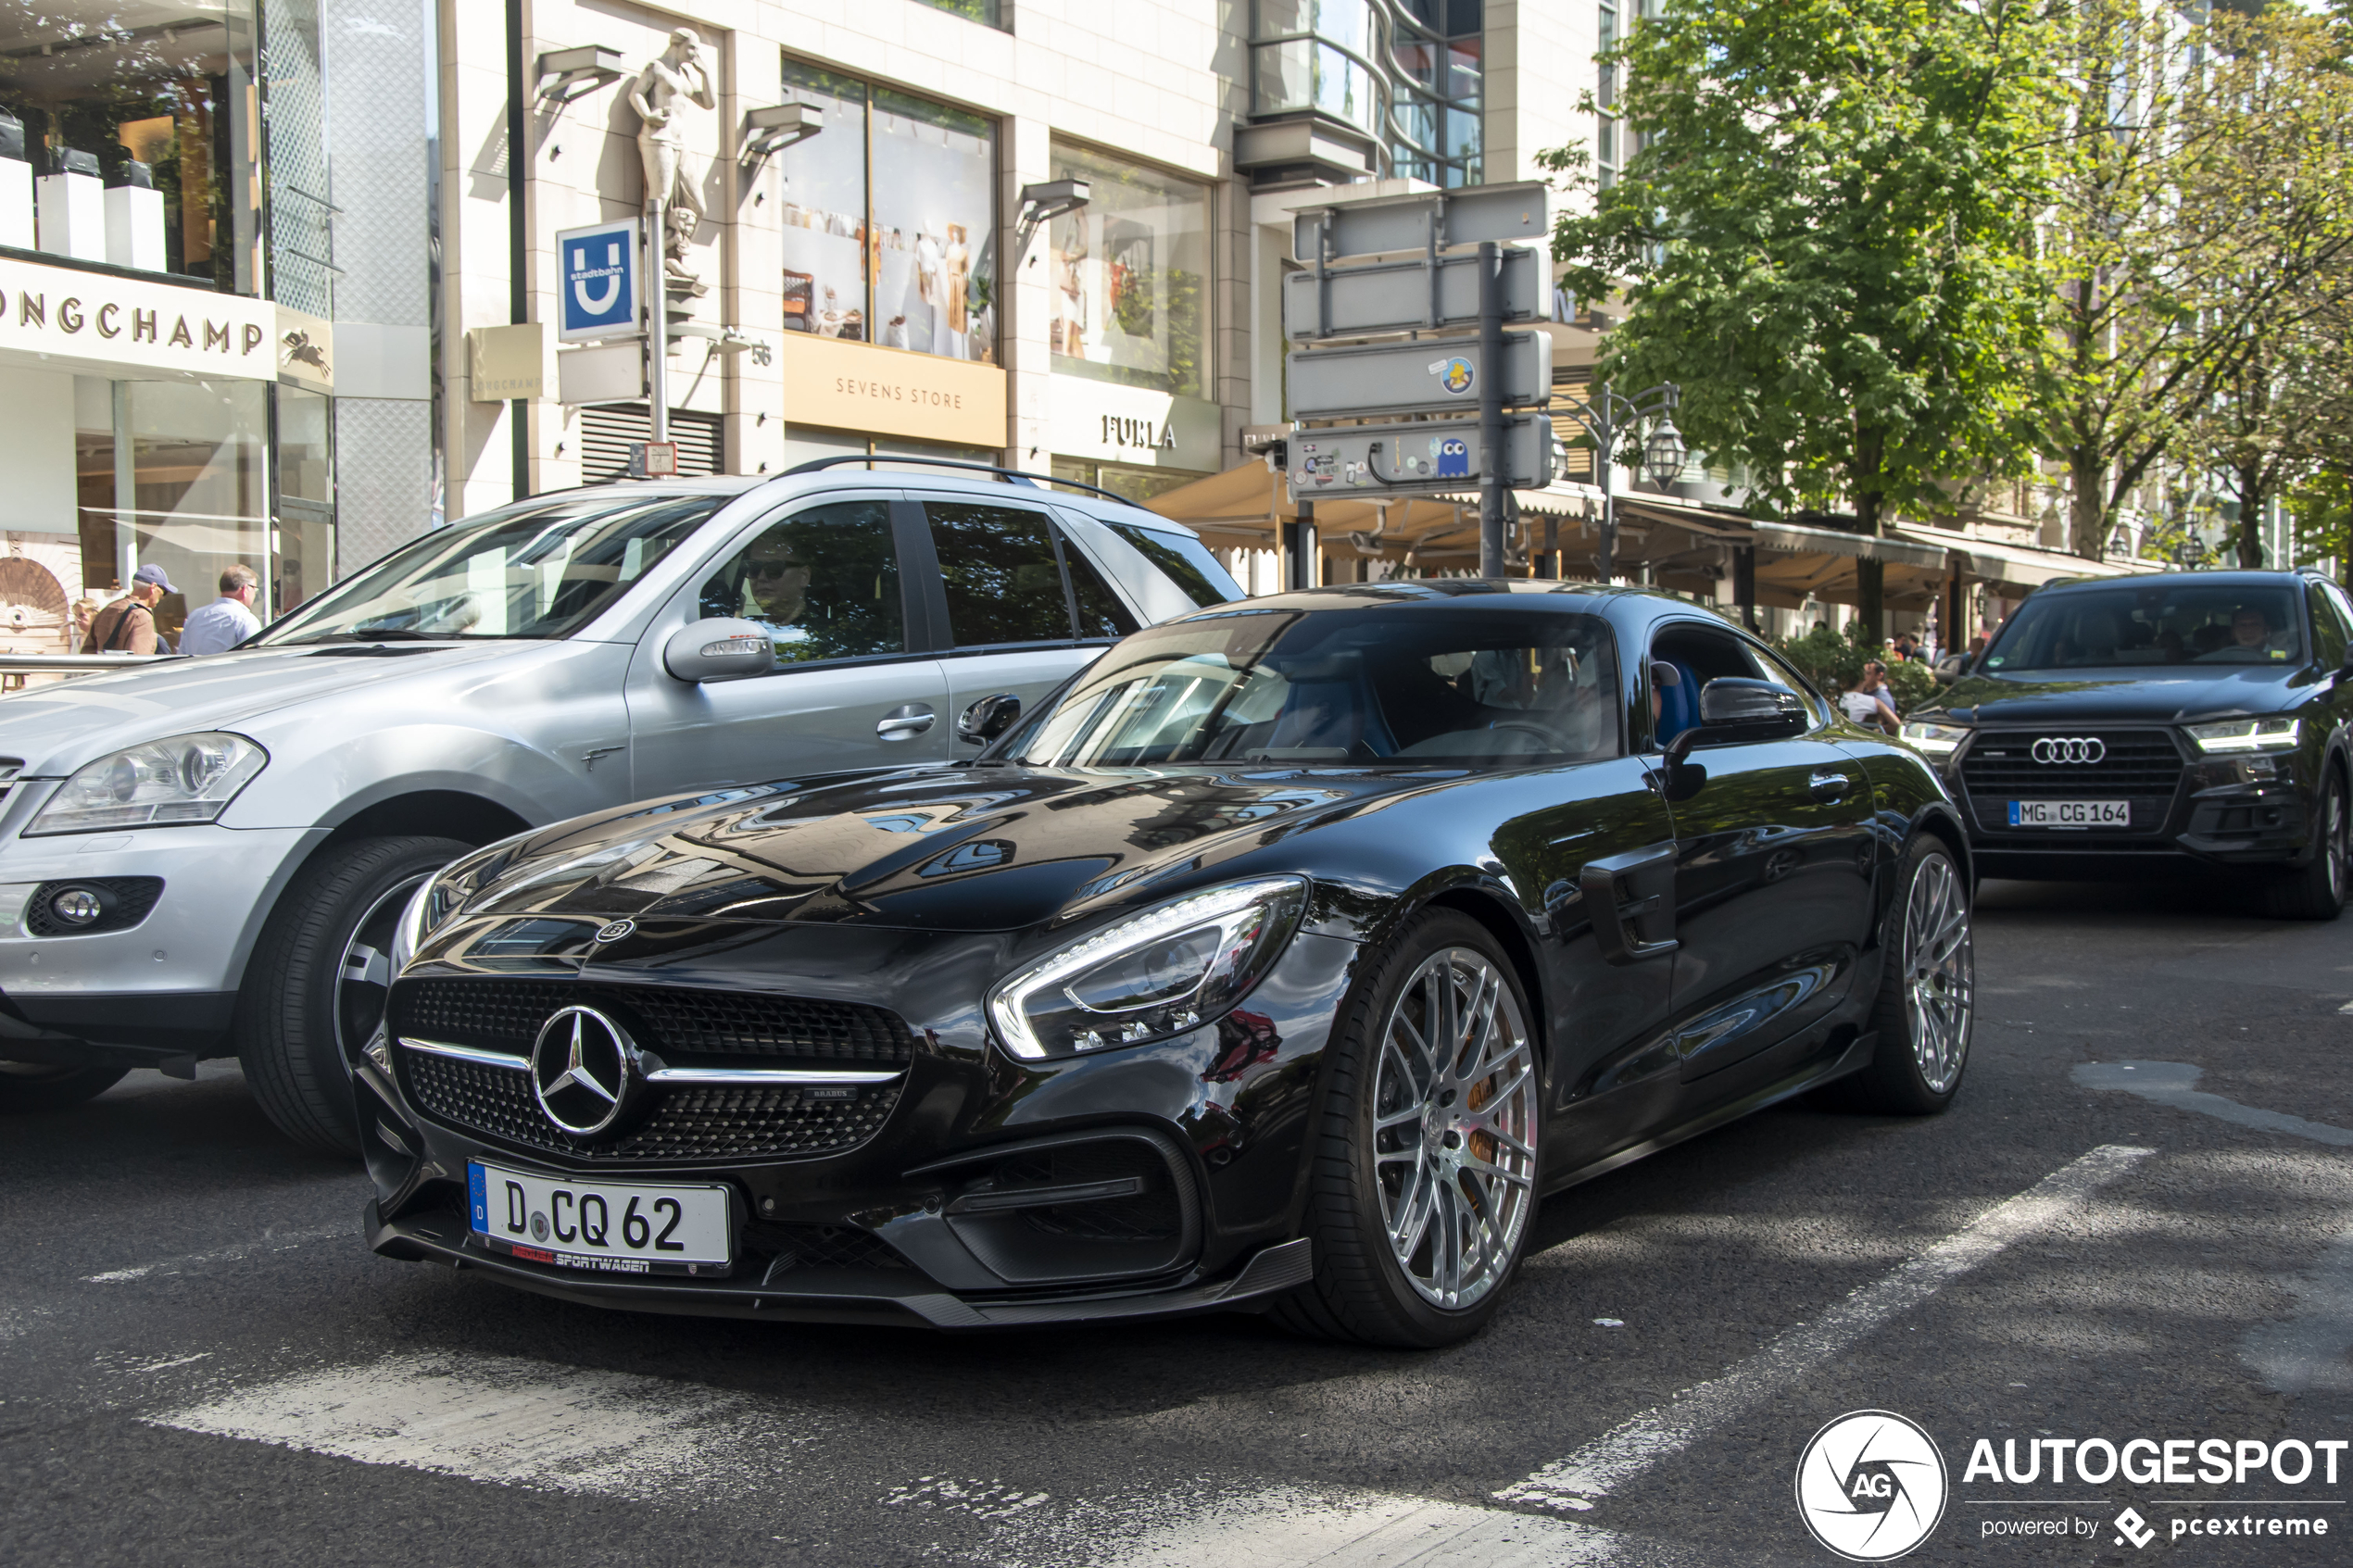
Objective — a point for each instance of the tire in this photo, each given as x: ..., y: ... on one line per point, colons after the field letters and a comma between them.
x: 29, y: 1086
x: 1399, y: 1140
x: 1927, y: 1003
x: 306, y: 993
x: 2317, y: 891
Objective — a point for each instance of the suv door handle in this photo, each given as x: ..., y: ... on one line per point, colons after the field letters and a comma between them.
x: 1829, y: 786
x: 905, y: 721
x: 1644, y: 870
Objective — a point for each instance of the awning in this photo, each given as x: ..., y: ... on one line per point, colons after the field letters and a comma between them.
x: 2023, y: 566
x: 1797, y: 563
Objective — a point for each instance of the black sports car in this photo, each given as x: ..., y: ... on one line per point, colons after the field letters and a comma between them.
x: 1287, y: 958
x: 2192, y: 720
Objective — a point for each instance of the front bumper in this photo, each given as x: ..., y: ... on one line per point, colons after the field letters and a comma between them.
x: 159, y: 992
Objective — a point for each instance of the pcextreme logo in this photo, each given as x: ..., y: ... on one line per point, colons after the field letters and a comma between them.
x: 1871, y: 1485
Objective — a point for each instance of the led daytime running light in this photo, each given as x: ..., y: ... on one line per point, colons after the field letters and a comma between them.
x: 2248, y: 734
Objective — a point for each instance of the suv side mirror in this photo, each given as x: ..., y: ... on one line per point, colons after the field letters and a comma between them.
x: 1735, y: 708
x: 988, y: 718
x: 718, y: 650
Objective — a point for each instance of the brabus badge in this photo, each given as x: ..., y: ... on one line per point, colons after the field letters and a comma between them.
x: 616, y: 931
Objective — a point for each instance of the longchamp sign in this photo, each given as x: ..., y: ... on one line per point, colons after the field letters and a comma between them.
x: 112, y: 322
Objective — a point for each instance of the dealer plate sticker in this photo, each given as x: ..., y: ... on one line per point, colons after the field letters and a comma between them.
x: 601, y: 1227
x: 2070, y: 813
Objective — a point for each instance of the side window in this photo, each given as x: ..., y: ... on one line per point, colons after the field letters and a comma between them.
x: 1694, y: 656
x: 824, y: 583
x: 1771, y: 668
x: 1100, y: 612
x: 997, y: 565
x: 2328, y: 629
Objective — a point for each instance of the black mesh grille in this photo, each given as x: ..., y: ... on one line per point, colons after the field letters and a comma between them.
x: 698, y: 1122
x: 1153, y: 1214
x: 2137, y: 763
x: 812, y: 1246
x: 123, y: 902
x: 506, y: 1015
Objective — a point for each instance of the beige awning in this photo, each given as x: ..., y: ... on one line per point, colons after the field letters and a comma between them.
x: 2024, y: 566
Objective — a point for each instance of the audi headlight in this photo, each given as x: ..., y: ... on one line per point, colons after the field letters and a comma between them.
x: 1151, y: 975
x: 1933, y: 740
x: 159, y: 784
x: 2248, y: 734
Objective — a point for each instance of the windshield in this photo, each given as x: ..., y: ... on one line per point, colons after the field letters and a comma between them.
x: 1424, y: 685
x: 539, y: 568
x: 2158, y: 621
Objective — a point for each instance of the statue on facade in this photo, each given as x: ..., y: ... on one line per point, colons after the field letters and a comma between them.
x: 677, y: 73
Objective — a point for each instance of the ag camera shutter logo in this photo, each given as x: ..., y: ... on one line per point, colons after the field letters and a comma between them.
x: 1871, y: 1485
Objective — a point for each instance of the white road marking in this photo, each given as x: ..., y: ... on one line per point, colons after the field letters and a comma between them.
x: 2175, y: 1083
x: 282, y: 1241
x: 1623, y: 1453
x: 507, y: 1421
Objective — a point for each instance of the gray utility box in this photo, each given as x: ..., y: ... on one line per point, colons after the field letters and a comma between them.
x: 1426, y: 375
x: 1425, y: 458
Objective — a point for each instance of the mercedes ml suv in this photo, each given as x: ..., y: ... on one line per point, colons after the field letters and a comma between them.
x: 2196, y: 718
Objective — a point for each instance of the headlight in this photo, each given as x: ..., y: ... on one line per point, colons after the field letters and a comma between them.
x: 161, y: 784
x: 2248, y: 734
x: 1936, y: 740
x: 1151, y: 975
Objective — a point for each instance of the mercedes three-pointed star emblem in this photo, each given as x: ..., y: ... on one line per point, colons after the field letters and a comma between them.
x: 583, y: 1069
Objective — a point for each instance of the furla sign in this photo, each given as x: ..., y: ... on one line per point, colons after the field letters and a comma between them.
x: 1112, y: 423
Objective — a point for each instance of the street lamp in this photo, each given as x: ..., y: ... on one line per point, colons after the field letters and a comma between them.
x: 1606, y: 417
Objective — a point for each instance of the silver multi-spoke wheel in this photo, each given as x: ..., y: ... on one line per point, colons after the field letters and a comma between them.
x: 1939, y: 973
x: 1454, y: 1118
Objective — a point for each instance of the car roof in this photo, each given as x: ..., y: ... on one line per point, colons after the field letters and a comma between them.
x: 2226, y: 576
x: 1105, y: 508
x: 1475, y: 593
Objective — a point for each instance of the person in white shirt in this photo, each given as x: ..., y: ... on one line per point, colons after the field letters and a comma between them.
x: 227, y: 621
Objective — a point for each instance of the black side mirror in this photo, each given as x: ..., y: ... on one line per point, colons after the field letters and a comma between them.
x: 988, y: 718
x: 1735, y: 708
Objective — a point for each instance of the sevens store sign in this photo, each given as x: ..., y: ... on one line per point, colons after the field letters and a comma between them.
x: 596, y: 280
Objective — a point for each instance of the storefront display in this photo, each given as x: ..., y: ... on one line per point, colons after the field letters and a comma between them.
x: 890, y: 222
x: 1131, y: 276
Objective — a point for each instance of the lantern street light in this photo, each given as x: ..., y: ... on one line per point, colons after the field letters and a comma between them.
x: 1608, y: 417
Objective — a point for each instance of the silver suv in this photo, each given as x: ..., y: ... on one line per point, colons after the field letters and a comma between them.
x: 201, y: 858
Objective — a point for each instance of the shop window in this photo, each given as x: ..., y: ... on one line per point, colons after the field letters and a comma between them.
x: 303, y: 559
x: 889, y: 221
x: 988, y: 13
x: 162, y: 103
x: 1131, y: 276
x: 823, y: 582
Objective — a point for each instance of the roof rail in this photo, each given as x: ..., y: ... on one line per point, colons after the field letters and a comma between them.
x: 1011, y: 476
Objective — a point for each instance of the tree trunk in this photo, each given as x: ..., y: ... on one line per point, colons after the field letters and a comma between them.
x: 1871, y: 575
x: 2087, y: 516
x: 2250, y: 529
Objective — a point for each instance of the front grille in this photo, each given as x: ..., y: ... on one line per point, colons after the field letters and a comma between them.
x: 790, y: 1247
x: 506, y: 1015
x: 2138, y: 762
x: 697, y: 1122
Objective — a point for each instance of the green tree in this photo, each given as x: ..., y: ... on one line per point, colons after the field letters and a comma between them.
x: 1825, y: 239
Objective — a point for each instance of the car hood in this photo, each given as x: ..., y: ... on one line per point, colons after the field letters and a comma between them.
x: 951, y: 848
x: 2167, y: 696
x: 55, y: 728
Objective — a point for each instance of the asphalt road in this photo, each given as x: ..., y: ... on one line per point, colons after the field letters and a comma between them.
x: 199, y: 1364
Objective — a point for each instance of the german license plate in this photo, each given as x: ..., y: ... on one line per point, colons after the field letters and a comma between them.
x: 602, y: 1227
x: 2070, y: 813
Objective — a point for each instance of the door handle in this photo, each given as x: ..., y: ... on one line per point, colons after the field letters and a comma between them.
x: 905, y: 721
x: 1829, y: 786
x: 1650, y: 879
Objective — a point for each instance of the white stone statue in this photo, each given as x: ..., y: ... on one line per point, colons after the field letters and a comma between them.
x: 679, y: 72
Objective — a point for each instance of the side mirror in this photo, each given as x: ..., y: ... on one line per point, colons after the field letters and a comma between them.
x: 988, y: 718
x: 718, y: 650
x: 1735, y: 708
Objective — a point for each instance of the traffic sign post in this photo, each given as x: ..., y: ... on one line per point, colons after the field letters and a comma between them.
x: 1422, y: 456
x: 1405, y: 296
x: 1446, y: 376
x: 597, y: 282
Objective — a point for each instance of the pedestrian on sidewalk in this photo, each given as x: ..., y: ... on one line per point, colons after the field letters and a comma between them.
x: 128, y: 626
x: 227, y: 621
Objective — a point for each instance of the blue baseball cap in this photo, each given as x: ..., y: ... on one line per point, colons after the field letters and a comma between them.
x: 153, y: 573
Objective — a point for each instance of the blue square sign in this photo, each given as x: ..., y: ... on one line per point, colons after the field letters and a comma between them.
x: 597, y: 281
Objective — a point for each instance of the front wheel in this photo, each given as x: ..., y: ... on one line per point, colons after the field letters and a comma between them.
x: 31, y: 1086
x: 2317, y: 891
x: 1424, y: 1160
x: 1928, y: 992
x: 316, y: 987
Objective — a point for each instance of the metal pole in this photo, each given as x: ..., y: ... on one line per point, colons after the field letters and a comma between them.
x: 1494, y: 460
x: 1604, y: 444
x: 657, y: 325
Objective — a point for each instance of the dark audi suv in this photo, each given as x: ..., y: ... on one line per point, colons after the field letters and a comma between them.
x: 1287, y: 956
x: 2193, y: 719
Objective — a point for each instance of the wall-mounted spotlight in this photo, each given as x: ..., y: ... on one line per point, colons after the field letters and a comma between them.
x: 770, y: 130
x: 566, y: 74
x: 1041, y: 204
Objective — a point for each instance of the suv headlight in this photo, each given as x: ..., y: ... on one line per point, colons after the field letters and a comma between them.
x: 2248, y: 734
x: 158, y: 783
x: 1933, y: 740
x: 1149, y: 976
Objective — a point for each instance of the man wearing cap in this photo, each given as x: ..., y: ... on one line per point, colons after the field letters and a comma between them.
x: 227, y: 621
x: 128, y: 626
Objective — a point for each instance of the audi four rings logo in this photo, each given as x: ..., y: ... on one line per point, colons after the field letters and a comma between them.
x: 2069, y: 748
x: 583, y: 1067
